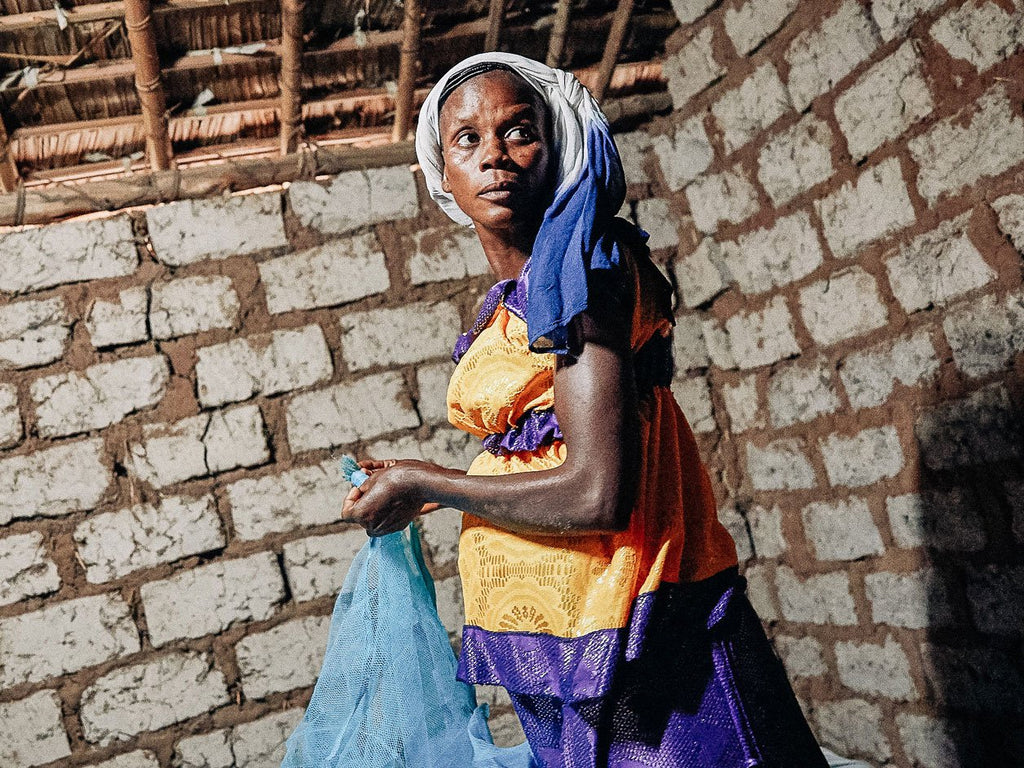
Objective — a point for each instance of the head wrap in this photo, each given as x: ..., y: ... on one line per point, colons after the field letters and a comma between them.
x: 574, y: 233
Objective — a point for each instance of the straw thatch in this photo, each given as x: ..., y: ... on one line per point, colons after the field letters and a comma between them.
x: 71, y: 100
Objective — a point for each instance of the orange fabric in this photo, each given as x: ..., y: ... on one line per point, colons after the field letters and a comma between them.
x: 572, y: 585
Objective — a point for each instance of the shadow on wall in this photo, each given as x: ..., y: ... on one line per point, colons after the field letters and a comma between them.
x: 969, y: 517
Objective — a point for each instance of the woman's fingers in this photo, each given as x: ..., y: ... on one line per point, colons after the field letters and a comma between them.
x: 386, y: 501
x: 348, y: 505
x: 371, y: 465
x: 349, y: 513
x: 396, y: 520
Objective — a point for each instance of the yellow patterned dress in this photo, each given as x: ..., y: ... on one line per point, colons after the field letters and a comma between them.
x: 565, y: 622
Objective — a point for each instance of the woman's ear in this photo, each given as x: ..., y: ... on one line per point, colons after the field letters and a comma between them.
x: 445, y: 186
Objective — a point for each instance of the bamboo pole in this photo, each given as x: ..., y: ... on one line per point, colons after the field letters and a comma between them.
x: 616, y: 36
x: 556, y: 44
x: 114, y: 11
x: 495, y: 17
x: 408, y: 65
x: 37, y: 205
x: 8, y: 170
x: 292, y: 27
x: 141, y: 38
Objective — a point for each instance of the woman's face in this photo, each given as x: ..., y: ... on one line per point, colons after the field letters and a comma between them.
x: 495, y: 141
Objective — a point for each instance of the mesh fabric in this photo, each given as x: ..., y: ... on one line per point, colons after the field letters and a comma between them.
x: 387, y: 696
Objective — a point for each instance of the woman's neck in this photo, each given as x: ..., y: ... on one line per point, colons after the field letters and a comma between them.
x: 507, y: 250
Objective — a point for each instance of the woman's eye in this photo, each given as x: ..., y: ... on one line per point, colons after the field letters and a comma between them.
x: 520, y: 132
x: 466, y: 139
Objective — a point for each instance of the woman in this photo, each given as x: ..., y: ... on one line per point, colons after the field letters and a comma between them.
x: 600, y: 589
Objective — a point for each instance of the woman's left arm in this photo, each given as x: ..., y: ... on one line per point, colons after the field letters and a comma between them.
x: 592, y: 491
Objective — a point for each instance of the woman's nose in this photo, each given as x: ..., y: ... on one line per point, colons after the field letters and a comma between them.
x: 495, y: 154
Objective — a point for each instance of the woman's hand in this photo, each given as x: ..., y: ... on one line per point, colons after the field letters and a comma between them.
x: 393, y: 495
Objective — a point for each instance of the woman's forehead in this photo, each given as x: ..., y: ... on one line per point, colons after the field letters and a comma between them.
x: 487, y: 88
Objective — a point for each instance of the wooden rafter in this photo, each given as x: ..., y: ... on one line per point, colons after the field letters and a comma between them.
x: 556, y: 45
x: 495, y: 18
x: 210, y: 155
x: 408, y: 68
x: 93, y: 12
x: 616, y: 36
x: 345, y: 102
x: 109, y: 71
x: 292, y: 24
x: 8, y: 170
x: 139, y: 22
x: 62, y: 200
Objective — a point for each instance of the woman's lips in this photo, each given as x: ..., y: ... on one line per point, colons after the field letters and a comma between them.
x: 497, y: 195
x: 499, y: 191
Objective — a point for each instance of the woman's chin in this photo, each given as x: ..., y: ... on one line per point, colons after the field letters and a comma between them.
x: 513, y: 216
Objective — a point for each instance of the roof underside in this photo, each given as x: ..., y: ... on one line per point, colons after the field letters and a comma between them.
x: 69, y: 97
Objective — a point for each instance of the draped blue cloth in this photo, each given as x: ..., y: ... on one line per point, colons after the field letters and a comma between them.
x: 572, y: 239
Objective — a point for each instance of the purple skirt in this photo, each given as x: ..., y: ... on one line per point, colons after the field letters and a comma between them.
x: 705, y: 691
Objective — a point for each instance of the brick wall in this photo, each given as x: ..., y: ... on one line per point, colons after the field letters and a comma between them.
x: 837, y: 197
x: 176, y: 386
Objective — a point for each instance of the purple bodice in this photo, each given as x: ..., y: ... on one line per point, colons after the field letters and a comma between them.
x: 534, y: 429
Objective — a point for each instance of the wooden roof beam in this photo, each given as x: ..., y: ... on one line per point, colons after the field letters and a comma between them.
x: 408, y: 68
x: 292, y: 27
x: 56, y: 201
x: 139, y: 22
x: 8, y: 170
x: 19, y: 22
x: 118, y: 136
x: 495, y: 18
x: 350, y: 101
x: 616, y: 36
x: 556, y: 44
x: 114, y: 68
x: 212, y: 154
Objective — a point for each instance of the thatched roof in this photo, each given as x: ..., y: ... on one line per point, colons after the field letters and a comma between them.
x: 71, y: 107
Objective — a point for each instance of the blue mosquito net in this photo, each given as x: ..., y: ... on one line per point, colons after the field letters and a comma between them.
x: 387, y: 696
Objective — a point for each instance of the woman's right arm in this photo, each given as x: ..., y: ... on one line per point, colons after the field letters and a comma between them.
x: 592, y: 491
